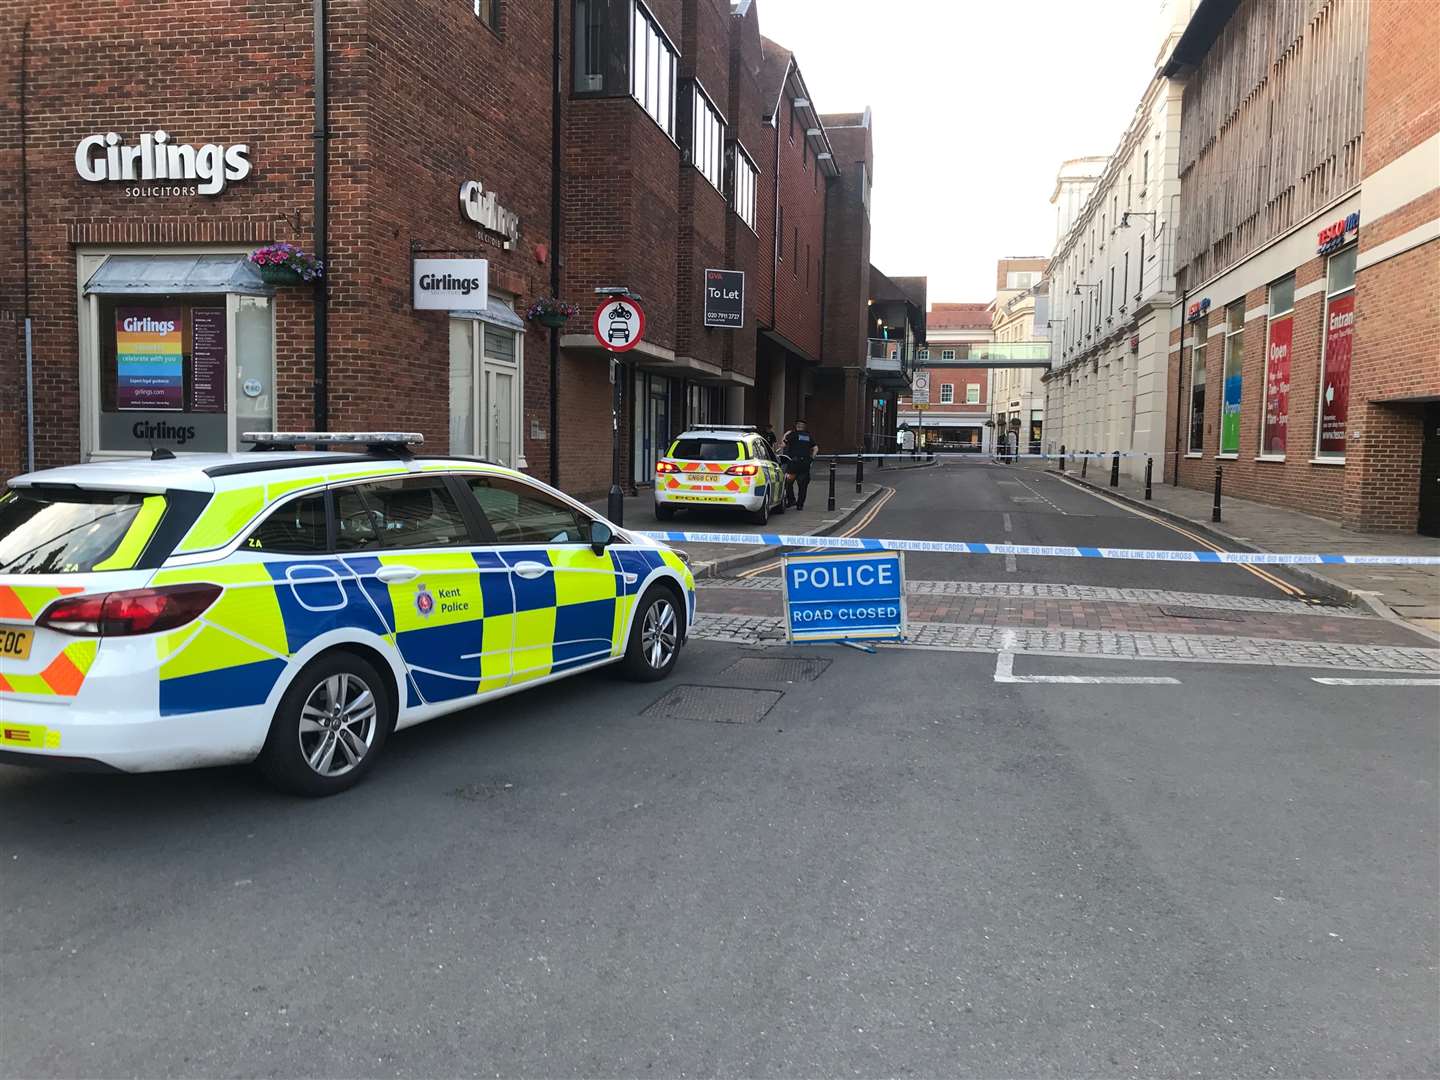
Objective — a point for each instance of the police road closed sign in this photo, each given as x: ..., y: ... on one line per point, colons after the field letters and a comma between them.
x: 831, y: 597
x: 619, y: 324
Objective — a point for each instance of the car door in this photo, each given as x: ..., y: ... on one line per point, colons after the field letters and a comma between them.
x: 443, y: 596
x: 769, y: 468
x: 570, y: 603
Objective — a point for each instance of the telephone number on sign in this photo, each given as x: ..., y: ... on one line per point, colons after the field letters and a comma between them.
x: 845, y: 614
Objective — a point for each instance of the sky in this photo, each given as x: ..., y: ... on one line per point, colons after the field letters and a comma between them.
x: 975, y: 104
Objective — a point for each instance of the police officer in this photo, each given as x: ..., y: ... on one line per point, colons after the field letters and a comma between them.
x: 799, y: 446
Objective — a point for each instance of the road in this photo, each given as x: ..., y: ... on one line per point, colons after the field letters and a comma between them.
x: 863, y: 865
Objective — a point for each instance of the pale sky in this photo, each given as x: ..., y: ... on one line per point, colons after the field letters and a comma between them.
x: 975, y: 104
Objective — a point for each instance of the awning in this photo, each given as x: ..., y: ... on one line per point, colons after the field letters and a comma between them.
x: 494, y: 314
x: 177, y: 274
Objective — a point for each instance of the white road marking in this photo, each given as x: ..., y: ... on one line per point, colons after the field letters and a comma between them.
x: 1010, y: 564
x: 1009, y: 527
x: 1378, y: 682
x: 1040, y: 495
x: 1005, y: 672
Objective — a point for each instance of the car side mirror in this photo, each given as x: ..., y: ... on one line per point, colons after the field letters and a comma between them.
x: 601, y: 537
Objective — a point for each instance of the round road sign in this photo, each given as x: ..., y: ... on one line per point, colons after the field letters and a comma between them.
x: 619, y: 324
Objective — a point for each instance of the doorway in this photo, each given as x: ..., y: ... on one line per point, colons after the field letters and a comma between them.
x: 1429, y: 523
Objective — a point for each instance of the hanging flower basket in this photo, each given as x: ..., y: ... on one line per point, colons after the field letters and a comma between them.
x: 551, y: 311
x: 285, y: 265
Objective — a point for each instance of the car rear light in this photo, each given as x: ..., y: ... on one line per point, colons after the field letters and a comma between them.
x: 743, y: 470
x: 666, y: 467
x: 134, y: 611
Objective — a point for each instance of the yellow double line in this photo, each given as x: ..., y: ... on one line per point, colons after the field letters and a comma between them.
x: 886, y: 494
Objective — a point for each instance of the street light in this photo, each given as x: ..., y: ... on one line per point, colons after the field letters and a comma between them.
x: 1081, y: 285
x: 1125, y: 217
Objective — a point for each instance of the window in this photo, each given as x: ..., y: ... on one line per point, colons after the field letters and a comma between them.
x: 865, y: 188
x: 707, y: 138
x: 703, y: 449
x: 780, y: 236
x: 409, y: 512
x: 972, y: 393
x: 808, y: 258
x: 1144, y: 172
x: 602, y: 53
x: 947, y: 354
x: 1197, y: 393
x: 804, y: 155
x: 791, y: 105
x: 1111, y: 309
x: 520, y: 514
x: 652, y: 69
x: 742, y: 197
x: 1230, y: 391
x: 947, y: 393
x: 69, y: 532
x: 486, y: 365
x: 795, y: 251
x: 1129, y: 189
x: 1125, y: 286
x: 1338, y: 330
x: 923, y: 354
x: 488, y: 12
x: 298, y: 527
x: 1019, y: 279
x: 1279, y: 334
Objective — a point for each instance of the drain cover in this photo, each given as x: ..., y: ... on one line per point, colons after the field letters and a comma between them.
x: 722, y: 704
x: 787, y: 669
x: 1208, y: 614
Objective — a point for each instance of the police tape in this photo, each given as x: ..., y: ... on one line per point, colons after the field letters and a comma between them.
x: 963, y: 547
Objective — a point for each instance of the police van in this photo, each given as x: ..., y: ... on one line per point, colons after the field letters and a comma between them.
x: 294, y: 608
x: 722, y: 465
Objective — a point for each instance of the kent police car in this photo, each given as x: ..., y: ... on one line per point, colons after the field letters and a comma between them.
x: 727, y: 465
x: 293, y: 608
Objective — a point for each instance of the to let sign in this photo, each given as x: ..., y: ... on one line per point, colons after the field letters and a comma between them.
x: 854, y: 596
x: 725, y: 299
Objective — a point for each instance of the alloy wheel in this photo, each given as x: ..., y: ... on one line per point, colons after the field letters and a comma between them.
x: 338, y: 723
x: 658, y: 633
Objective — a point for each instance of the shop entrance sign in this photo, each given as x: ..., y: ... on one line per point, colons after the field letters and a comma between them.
x: 619, y: 324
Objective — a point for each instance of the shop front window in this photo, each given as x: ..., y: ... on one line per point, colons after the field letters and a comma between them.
x: 1339, y: 330
x: 485, y: 366
x: 1275, y: 408
x: 1197, y: 395
x: 1232, y: 387
x: 184, y: 370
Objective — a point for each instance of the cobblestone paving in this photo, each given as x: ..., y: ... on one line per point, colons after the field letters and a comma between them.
x: 1091, y: 593
x: 1210, y: 649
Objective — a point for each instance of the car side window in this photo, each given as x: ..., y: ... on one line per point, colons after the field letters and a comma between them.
x: 409, y: 512
x: 297, y: 527
x: 520, y: 514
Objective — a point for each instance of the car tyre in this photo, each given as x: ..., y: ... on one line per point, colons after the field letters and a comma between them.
x: 761, y: 516
x: 330, y: 726
x: 655, y: 635
x: 663, y: 512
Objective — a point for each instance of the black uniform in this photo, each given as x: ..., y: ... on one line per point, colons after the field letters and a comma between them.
x: 799, y: 448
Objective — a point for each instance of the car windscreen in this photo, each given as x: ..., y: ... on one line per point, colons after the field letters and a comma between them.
x: 703, y: 449
x: 61, y: 531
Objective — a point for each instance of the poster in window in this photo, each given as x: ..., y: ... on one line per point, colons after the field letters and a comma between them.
x: 207, y: 360
x: 1335, y: 389
x: 1276, y: 420
x: 1230, y: 394
x: 149, y: 359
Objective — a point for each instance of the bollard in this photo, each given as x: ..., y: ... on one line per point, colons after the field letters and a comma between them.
x: 859, y: 470
x: 1149, y: 469
x: 830, y: 499
x: 1062, y: 457
x: 1084, y: 462
x: 1115, y: 470
x: 1215, y: 506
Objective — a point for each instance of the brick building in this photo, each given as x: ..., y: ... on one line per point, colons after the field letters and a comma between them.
x: 1304, y: 361
x: 956, y: 417
x: 682, y: 137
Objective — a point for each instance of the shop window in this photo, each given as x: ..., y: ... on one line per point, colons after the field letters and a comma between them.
x: 947, y: 393
x: 707, y: 138
x: 742, y: 195
x: 486, y: 366
x: 1232, y: 388
x: 1279, y: 335
x: 1338, y: 330
x: 186, y: 371
x: 1197, y: 394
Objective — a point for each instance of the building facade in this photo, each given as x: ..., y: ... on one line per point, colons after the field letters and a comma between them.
x: 1307, y: 319
x: 1017, y: 392
x: 130, y: 217
x: 957, y: 417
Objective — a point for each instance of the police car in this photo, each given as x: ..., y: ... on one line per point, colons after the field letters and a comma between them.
x: 721, y: 465
x: 293, y: 608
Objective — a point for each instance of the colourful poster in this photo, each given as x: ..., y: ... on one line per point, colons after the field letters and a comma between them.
x: 1276, y: 420
x: 207, y: 360
x: 1335, y: 385
x: 149, y: 359
x: 1230, y: 399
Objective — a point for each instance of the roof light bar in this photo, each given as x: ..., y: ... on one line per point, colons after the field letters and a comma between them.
x: 392, y: 440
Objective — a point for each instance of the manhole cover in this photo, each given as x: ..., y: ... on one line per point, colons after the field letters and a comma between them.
x: 1208, y: 614
x: 722, y: 704
x: 787, y: 669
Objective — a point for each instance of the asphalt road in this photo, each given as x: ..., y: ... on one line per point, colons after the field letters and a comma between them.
x: 902, y: 867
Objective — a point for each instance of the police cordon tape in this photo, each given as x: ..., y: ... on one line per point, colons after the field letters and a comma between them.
x: 963, y: 547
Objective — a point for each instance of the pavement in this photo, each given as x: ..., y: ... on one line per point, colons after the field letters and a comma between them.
x: 1411, y: 592
x: 1045, y: 837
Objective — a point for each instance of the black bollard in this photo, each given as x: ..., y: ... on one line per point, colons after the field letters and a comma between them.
x: 1115, y: 470
x: 830, y: 499
x: 859, y: 470
x: 1062, y: 457
x: 1215, y: 507
x: 1149, y: 469
x: 1084, y: 462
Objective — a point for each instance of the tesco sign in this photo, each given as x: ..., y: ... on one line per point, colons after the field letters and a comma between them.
x: 1335, y: 235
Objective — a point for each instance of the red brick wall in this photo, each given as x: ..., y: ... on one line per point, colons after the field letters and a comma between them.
x: 798, y: 276
x: 838, y: 412
x: 1402, y: 80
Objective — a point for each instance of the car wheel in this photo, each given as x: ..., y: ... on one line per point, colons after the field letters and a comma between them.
x: 329, y: 728
x: 654, y: 636
x: 761, y: 516
x: 663, y: 512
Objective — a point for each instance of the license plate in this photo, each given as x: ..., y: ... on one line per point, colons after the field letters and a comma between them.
x: 15, y: 642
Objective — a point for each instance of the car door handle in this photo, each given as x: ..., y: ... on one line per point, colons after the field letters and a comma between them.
x: 530, y: 570
x: 396, y: 575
